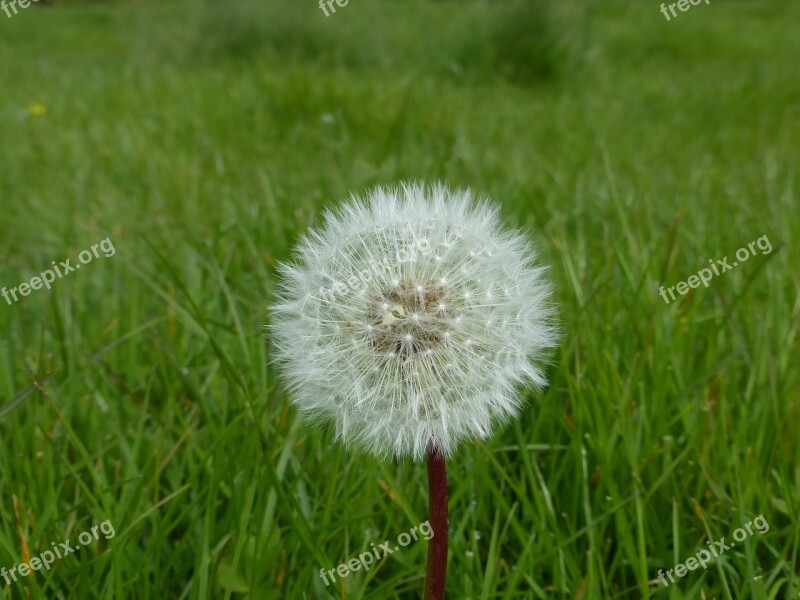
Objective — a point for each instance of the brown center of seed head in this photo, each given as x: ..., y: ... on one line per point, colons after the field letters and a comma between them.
x: 409, y: 319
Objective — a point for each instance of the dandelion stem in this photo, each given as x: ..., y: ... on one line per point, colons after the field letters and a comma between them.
x: 437, y: 547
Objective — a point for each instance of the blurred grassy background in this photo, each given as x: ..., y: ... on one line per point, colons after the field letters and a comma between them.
x: 204, y: 137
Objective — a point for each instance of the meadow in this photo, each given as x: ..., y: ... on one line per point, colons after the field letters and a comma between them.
x: 203, y: 138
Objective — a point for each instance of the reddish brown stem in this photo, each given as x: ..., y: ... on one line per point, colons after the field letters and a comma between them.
x: 437, y: 546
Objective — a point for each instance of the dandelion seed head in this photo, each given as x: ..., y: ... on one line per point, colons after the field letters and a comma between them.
x: 385, y: 323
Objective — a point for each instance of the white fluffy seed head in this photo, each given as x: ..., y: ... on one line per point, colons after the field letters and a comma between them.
x: 410, y: 319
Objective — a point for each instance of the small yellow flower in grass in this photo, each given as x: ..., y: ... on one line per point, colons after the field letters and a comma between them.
x: 36, y: 109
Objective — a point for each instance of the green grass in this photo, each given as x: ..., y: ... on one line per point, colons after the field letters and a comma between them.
x: 203, y: 138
